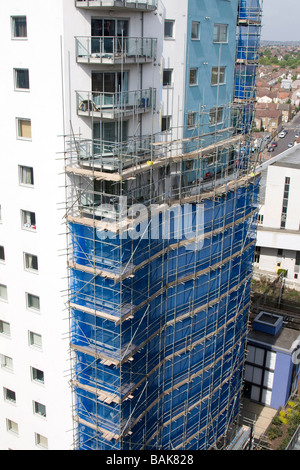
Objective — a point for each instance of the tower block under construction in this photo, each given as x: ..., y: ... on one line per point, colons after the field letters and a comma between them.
x: 161, y: 204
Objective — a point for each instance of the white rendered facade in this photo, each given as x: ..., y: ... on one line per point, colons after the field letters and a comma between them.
x: 36, y: 403
x: 48, y: 52
x: 278, y: 236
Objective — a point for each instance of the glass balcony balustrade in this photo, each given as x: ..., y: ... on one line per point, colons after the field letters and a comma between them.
x: 114, y: 105
x: 141, y: 5
x: 111, y: 156
x: 115, y: 50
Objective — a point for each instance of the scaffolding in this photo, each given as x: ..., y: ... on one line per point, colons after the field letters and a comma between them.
x: 161, y: 235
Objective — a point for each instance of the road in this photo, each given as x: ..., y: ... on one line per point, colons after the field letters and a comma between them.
x: 282, y: 143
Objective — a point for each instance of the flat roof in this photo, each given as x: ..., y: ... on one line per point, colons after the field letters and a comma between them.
x: 283, y: 340
x: 290, y: 158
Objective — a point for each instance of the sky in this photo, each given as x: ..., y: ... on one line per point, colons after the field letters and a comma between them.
x: 281, y: 20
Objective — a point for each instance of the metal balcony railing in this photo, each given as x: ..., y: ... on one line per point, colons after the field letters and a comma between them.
x: 112, y: 105
x: 106, y: 155
x: 114, y: 49
x: 143, y: 5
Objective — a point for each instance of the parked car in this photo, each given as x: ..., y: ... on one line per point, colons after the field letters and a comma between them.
x: 271, y: 149
x: 297, y: 135
x: 274, y: 144
x: 290, y: 144
x: 282, y: 135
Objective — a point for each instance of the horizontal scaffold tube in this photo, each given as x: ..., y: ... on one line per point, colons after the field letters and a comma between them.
x: 124, y: 224
x: 183, y: 279
x: 180, y: 384
x: 130, y: 272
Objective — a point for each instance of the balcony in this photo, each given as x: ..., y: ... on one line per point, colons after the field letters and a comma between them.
x: 113, y: 156
x: 115, y: 50
x: 140, y: 5
x: 115, y: 105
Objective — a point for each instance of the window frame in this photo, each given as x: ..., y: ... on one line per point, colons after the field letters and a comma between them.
x: 18, y: 125
x: 169, y: 38
x: 16, y: 88
x: 4, y: 361
x: 2, y: 253
x: 9, y: 400
x: 32, y: 344
x: 4, y: 299
x: 31, y: 215
x: 21, y: 169
x: 168, y: 70
x: 28, y: 269
x: 221, y: 70
x: 216, y: 111
x: 35, y: 380
x: 13, y: 19
x: 168, y: 118
x: 32, y: 309
x: 198, y: 30
x: 2, y: 330
x: 193, y: 125
x: 36, y: 405
x: 38, y: 441
x: 218, y: 41
x: 10, y: 428
x: 193, y: 69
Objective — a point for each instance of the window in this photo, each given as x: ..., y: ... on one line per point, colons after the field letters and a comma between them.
x: 195, y: 30
x: 19, y: 27
x: 6, y: 362
x: 193, y: 76
x: 24, y: 128
x: 257, y: 254
x: 285, y: 202
x: 2, y: 253
x: 28, y: 220
x: 218, y: 76
x: 12, y: 426
x: 30, y: 262
x: 215, y: 116
x: 221, y: 33
x: 4, y: 328
x: 260, y: 219
x: 169, y: 29
x: 297, y: 261
x: 39, y: 409
x: 9, y: 395
x: 26, y: 175
x: 35, y: 340
x: 165, y: 123
x: 41, y: 441
x: 167, y: 77
x: 21, y: 79
x: 3, y: 292
x: 37, y: 375
x: 191, y: 120
x: 33, y: 302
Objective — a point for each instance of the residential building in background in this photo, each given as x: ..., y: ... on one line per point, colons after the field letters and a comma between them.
x: 278, y: 237
x: 126, y: 109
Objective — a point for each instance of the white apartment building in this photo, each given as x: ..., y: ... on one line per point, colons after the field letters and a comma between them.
x: 40, y: 76
x: 278, y: 235
x: 68, y: 77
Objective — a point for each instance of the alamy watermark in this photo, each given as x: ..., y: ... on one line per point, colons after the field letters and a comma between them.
x: 178, y: 222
